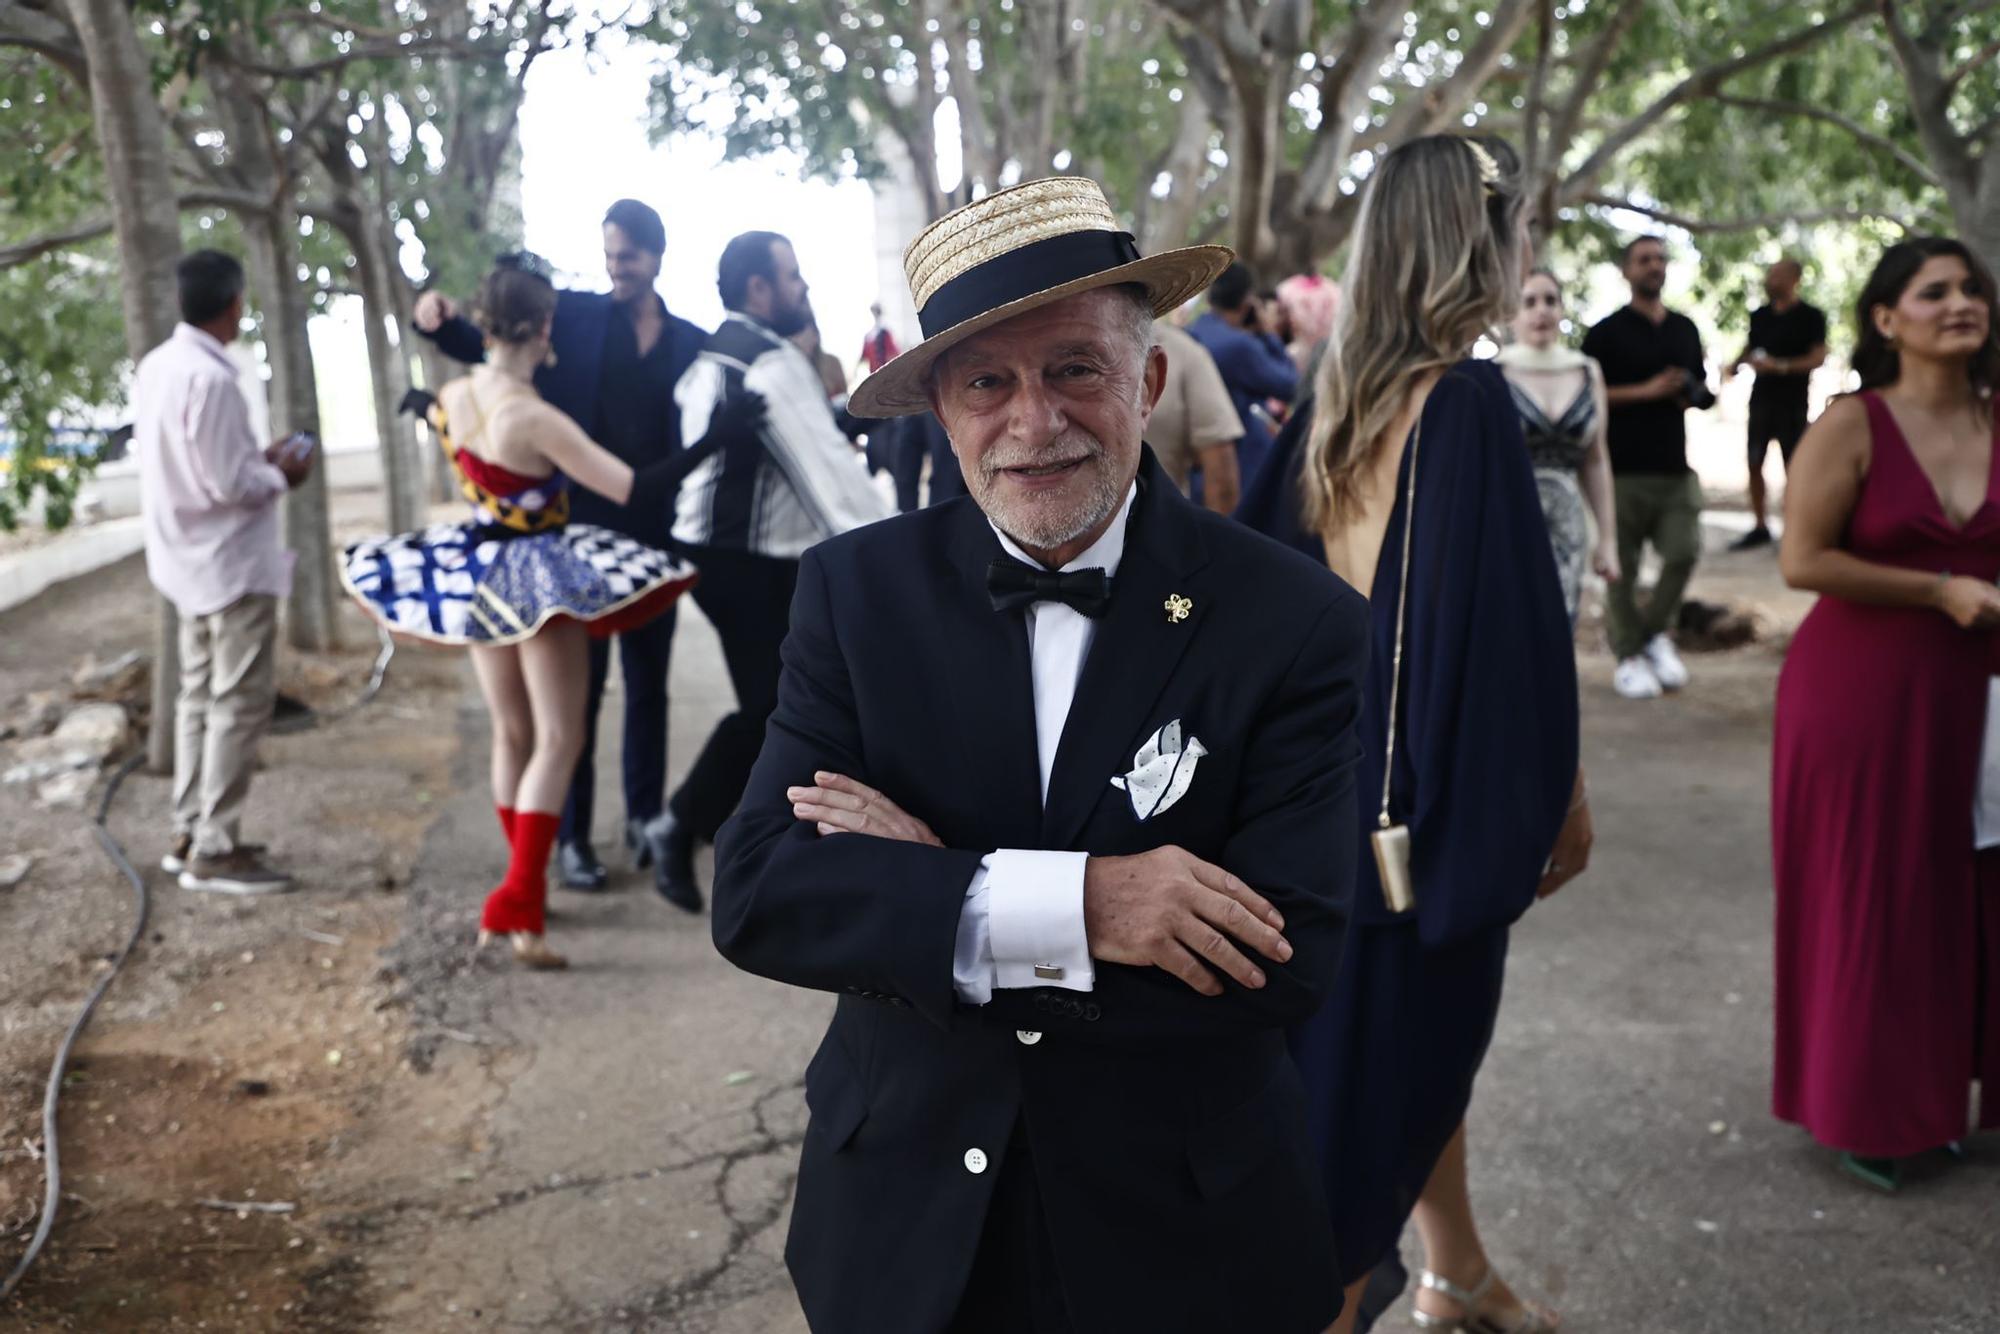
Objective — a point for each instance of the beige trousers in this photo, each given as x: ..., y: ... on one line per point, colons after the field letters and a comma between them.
x: 228, y: 688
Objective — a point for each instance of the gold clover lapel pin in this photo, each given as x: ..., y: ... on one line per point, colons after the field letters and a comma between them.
x: 1178, y: 607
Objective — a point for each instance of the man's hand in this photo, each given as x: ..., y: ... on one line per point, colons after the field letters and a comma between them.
x: 1172, y: 910
x: 837, y: 804
x: 295, y: 464
x: 432, y: 310
x: 1668, y: 383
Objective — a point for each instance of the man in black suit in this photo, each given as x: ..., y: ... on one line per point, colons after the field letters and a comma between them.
x: 1058, y: 798
x: 617, y: 357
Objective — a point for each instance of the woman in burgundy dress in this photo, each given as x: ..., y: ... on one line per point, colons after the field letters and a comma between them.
x: 1888, y: 927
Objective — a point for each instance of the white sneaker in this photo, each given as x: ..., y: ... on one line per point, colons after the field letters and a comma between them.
x: 1667, y: 664
x: 1634, y: 679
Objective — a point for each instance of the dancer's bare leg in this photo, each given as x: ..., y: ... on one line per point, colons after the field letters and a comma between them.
x: 500, y: 681
x: 555, y: 668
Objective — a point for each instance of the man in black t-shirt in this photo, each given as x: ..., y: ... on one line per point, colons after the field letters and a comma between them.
x: 1787, y: 344
x: 1654, y: 371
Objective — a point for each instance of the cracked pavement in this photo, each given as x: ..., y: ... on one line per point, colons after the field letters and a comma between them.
x: 614, y: 1148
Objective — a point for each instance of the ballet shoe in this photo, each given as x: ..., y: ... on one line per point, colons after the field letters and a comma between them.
x: 530, y: 950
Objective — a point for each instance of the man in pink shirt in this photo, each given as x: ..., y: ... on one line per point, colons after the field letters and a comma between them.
x: 209, y: 495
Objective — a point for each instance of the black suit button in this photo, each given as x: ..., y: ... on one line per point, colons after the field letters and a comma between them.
x: 1091, y: 1012
x: 1041, y: 1000
x: 1075, y: 1009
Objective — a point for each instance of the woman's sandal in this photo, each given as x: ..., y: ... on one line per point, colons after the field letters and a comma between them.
x: 1533, y: 1319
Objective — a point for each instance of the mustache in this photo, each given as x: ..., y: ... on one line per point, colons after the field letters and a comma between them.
x: 1068, y: 447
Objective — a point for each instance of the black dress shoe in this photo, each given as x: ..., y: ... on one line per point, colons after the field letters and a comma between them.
x: 637, y: 843
x: 581, y: 869
x: 1760, y: 536
x: 670, y: 847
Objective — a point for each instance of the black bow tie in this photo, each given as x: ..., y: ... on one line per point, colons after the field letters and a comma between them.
x: 1012, y: 584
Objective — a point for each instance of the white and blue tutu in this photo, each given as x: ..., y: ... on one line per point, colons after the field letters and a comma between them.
x: 515, y: 566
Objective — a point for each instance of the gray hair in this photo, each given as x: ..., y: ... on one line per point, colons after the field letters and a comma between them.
x: 1138, y: 314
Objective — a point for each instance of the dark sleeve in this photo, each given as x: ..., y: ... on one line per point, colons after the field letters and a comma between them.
x: 459, y: 339
x: 1815, y: 327
x: 1697, y: 357
x: 1259, y: 365
x: 852, y: 914
x: 1489, y: 743
x: 1294, y: 839
x: 1274, y: 505
x: 1597, y: 346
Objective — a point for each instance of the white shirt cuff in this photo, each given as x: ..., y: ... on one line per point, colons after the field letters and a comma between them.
x: 1023, y: 921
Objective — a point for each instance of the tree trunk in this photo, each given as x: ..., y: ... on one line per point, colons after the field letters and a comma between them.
x: 1254, y: 156
x: 271, y: 240
x: 438, y: 369
x: 1979, y: 219
x: 145, y: 212
x: 389, y: 374
x: 1165, y: 223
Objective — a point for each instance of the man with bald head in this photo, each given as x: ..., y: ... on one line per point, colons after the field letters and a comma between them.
x: 1058, y: 799
x: 1787, y: 344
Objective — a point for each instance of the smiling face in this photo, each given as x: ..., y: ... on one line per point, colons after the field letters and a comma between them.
x: 631, y: 267
x: 1540, y: 318
x: 1941, y: 314
x: 1047, y: 412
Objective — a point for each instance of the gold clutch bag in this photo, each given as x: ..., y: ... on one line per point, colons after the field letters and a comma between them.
x: 1392, y: 862
x: 1392, y: 839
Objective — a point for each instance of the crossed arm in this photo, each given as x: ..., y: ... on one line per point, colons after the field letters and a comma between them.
x: 1182, y: 941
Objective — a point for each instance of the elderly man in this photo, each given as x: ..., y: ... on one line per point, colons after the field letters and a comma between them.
x: 1058, y: 800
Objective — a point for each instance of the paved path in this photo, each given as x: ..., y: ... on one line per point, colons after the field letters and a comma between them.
x: 617, y: 1152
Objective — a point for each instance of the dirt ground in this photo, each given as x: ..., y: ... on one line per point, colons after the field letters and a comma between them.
x: 247, y: 1043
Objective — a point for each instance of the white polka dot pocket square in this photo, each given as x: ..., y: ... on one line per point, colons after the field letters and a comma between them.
x: 1161, y: 771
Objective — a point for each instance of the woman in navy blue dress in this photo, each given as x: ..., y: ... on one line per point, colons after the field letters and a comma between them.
x: 1484, y: 775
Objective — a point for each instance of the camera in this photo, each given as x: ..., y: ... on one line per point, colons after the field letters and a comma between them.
x: 1699, y: 395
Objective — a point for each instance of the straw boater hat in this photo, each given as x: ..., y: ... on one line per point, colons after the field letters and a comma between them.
x: 1010, y: 253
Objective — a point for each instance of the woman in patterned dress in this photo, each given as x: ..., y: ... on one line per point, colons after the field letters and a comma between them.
x: 1560, y: 396
x: 518, y: 584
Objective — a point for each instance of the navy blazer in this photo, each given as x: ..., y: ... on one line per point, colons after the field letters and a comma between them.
x: 572, y: 384
x: 1166, y: 1128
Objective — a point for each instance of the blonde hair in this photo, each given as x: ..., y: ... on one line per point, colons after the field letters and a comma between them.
x: 1436, y: 262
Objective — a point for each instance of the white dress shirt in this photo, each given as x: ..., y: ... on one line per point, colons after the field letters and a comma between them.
x: 1024, y: 907
x: 208, y: 497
